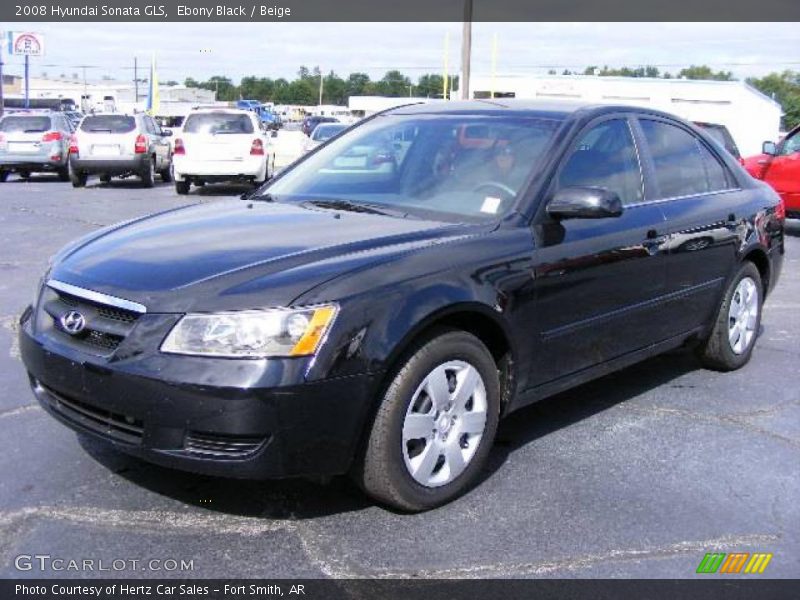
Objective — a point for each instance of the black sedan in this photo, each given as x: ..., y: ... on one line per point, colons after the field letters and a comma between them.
x: 379, y: 306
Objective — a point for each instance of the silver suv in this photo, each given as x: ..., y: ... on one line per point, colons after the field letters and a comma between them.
x: 122, y: 145
x: 34, y: 141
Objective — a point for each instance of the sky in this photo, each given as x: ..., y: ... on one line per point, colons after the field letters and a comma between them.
x: 200, y: 50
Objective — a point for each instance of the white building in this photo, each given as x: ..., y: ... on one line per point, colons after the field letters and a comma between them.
x: 364, y: 106
x: 749, y: 115
x: 105, y: 95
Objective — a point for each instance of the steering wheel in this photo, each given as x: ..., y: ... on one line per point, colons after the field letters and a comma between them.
x: 496, y: 185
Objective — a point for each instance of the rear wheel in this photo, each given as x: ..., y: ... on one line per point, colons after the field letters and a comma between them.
x: 78, y: 178
x: 182, y: 187
x: 736, y: 328
x: 148, y: 173
x: 3, y: 176
x: 435, y: 425
x: 166, y: 174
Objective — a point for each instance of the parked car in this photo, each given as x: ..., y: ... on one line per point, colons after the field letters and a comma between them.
x: 722, y: 136
x: 34, y: 141
x: 779, y: 166
x: 310, y: 123
x: 381, y: 322
x: 221, y: 145
x: 119, y: 145
x: 322, y: 133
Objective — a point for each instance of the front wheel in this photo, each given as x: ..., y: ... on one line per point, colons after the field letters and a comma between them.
x: 435, y: 425
x: 736, y: 328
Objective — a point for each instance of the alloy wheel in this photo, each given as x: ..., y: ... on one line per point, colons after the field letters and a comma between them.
x: 743, y: 315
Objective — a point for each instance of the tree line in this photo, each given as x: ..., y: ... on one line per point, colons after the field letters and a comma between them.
x: 304, y: 89
x: 784, y: 87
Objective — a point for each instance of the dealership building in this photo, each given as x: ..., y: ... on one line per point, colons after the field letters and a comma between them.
x: 749, y: 115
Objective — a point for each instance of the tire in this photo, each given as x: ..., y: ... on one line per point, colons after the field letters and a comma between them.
x: 24, y: 173
x: 415, y: 474
x: 166, y: 174
x: 148, y: 174
x: 78, y: 179
x: 726, y: 349
x: 182, y: 187
x: 4, y: 176
x: 105, y: 178
x: 63, y: 174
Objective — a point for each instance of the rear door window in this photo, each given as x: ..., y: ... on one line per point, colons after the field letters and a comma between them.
x: 683, y: 165
x: 108, y: 124
x: 218, y: 123
x: 31, y: 124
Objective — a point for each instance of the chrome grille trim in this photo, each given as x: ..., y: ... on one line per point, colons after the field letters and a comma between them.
x: 97, y: 297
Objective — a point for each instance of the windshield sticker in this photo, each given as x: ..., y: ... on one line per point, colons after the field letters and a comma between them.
x: 490, y: 205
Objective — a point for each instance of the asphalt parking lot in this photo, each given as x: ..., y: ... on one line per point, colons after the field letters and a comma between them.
x: 635, y: 475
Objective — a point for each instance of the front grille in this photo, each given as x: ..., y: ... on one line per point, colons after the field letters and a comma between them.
x: 210, y: 445
x: 122, y: 427
x: 106, y: 327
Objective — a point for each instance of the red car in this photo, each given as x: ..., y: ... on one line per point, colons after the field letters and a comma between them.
x: 779, y: 166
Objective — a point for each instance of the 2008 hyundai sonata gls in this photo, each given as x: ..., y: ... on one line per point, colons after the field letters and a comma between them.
x: 377, y: 307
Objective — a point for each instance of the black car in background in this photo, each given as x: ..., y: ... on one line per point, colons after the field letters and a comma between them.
x: 722, y: 136
x: 376, y: 308
x: 310, y: 123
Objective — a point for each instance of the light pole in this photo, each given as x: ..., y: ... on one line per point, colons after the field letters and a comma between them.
x: 466, y: 50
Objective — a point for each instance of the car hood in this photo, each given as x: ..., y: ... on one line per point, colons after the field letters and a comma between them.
x: 234, y: 254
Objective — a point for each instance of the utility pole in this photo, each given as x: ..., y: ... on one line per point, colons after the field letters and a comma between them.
x: 466, y: 50
x: 136, y: 78
x: 2, y: 103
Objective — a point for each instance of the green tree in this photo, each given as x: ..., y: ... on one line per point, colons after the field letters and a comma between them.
x: 705, y: 72
x: 784, y: 88
x: 357, y: 84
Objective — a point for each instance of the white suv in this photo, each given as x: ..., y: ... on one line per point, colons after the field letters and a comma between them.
x: 220, y: 144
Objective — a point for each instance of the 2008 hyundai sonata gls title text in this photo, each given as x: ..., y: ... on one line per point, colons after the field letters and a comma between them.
x: 378, y: 306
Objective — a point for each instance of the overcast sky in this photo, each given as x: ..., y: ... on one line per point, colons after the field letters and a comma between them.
x: 201, y: 50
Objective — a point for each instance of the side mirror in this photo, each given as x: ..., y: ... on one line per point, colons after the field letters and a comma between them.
x: 584, y: 203
x: 166, y: 133
x: 769, y: 148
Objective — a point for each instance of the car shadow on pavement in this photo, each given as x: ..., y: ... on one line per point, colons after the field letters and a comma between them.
x: 572, y: 406
x: 34, y: 178
x: 129, y: 183
x: 303, y: 499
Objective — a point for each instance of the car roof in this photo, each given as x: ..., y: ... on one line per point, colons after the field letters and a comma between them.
x: 221, y: 109
x: 514, y: 107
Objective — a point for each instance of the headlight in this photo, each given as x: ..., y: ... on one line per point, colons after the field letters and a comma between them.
x: 252, y: 334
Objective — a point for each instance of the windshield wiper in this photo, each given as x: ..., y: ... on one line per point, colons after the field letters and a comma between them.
x: 340, y: 204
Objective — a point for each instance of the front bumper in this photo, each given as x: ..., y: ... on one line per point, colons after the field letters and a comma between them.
x: 111, y: 165
x: 254, y: 419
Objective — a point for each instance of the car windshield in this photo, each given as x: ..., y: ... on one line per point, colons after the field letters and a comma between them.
x: 325, y: 132
x: 15, y: 124
x: 218, y: 122
x: 108, y: 123
x: 452, y: 167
